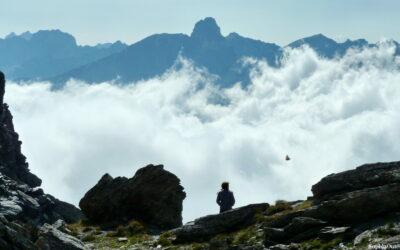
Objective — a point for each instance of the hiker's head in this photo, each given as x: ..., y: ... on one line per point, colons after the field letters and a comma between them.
x: 225, y: 185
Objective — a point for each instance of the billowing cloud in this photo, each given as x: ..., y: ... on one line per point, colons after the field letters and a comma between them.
x: 328, y: 115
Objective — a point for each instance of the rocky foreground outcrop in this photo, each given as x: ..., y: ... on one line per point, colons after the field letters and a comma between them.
x: 24, y: 207
x: 343, y: 205
x: 352, y: 209
x: 204, y: 228
x: 153, y: 196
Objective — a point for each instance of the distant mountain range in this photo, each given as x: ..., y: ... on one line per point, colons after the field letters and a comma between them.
x: 47, y: 54
x: 55, y: 56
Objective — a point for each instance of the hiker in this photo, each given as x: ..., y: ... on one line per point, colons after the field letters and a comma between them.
x: 225, y: 198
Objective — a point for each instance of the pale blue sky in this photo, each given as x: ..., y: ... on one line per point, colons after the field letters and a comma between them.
x: 281, y: 22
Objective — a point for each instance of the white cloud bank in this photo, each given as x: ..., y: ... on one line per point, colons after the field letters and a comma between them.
x: 328, y: 115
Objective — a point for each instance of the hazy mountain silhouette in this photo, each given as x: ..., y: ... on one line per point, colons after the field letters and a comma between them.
x: 47, y: 53
x: 152, y: 56
x: 327, y: 47
x: 55, y: 56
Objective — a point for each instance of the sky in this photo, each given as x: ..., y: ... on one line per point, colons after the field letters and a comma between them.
x: 280, y: 22
x: 327, y: 115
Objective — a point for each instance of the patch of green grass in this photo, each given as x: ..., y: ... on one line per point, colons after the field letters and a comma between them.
x: 280, y: 209
x: 198, y: 246
x: 303, y: 205
x: 107, y: 242
x: 279, y: 206
x: 386, y: 232
x: 167, y: 234
x: 132, y: 228
x: 319, y: 244
x: 364, y: 242
x: 82, y: 225
x: 243, y: 237
x: 96, y: 232
x: 86, y: 229
x: 112, y: 234
x: 165, y: 239
x: 73, y: 233
x: 135, y: 227
x: 164, y: 242
x: 88, y: 238
x: 84, y: 222
x: 138, y: 238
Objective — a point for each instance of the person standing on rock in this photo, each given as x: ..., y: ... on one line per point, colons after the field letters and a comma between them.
x: 225, y: 198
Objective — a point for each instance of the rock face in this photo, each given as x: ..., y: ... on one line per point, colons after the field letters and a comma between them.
x: 23, y: 204
x: 12, y: 161
x: 205, y: 228
x: 52, y: 238
x: 153, y: 196
x: 365, y: 176
x: 342, y: 203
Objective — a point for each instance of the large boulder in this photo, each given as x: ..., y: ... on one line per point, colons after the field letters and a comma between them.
x: 204, y: 228
x: 153, y: 196
x: 365, y: 176
x: 358, y: 206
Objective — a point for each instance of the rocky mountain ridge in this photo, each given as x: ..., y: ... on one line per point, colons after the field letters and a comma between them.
x: 47, y: 53
x: 55, y: 56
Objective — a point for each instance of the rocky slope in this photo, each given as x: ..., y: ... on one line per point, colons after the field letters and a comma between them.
x: 355, y: 209
x: 26, y: 212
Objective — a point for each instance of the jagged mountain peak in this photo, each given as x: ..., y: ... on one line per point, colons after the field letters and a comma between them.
x: 206, y: 29
x: 318, y: 38
x: 11, y: 35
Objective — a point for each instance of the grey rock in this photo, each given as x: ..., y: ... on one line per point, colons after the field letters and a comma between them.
x: 305, y: 235
x: 10, y: 209
x: 34, y: 192
x: 153, y: 196
x: 358, y: 206
x: 284, y: 219
x: 51, y: 238
x: 14, y: 236
x: 365, y: 176
x: 394, y: 241
x: 274, y: 236
x: 204, y: 228
x: 65, y: 211
x: 292, y: 246
x: 301, y: 224
x: 328, y: 233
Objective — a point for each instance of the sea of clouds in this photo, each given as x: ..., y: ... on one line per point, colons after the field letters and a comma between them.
x: 327, y: 115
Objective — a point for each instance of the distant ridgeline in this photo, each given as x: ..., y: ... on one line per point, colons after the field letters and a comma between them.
x: 54, y: 56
